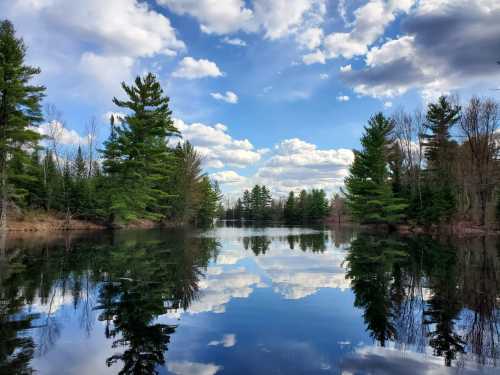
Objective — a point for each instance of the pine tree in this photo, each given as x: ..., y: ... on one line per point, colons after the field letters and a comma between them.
x: 19, y: 109
x: 209, y: 202
x: 136, y: 156
x: 247, y: 205
x: 369, y: 193
x: 439, y: 152
x: 290, y: 211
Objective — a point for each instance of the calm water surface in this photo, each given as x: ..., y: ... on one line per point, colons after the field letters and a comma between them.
x: 249, y: 301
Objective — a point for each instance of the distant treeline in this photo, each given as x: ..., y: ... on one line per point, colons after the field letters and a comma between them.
x: 258, y: 205
x: 433, y: 168
x: 137, y: 175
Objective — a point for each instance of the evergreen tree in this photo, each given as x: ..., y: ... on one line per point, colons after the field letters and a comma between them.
x: 136, y: 157
x: 290, y: 212
x: 19, y: 109
x: 247, y: 205
x: 440, y: 154
x: 238, y: 210
x: 369, y: 191
x: 209, y: 202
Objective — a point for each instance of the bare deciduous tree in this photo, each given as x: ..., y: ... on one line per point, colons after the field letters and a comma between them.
x: 479, y: 126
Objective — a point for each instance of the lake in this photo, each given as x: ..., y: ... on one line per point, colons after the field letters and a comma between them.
x: 243, y: 300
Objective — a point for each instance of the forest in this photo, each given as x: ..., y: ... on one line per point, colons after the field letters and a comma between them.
x: 258, y: 205
x: 144, y: 171
x: 432, y: 169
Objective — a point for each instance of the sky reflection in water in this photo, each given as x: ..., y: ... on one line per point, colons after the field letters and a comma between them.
x: 249, y: 300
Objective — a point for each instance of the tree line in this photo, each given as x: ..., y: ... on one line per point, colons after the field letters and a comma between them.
x: 258, y: 205
x: 428, y: 169
x: 138, y: 174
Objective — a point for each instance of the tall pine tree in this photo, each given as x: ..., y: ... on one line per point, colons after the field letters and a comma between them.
x: 136, y: 156
x: 369, y: 190
x: 19, y: 110
x: 440, y: 153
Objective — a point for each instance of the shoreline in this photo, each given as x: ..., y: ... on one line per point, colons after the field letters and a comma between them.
x: 47, y: 222
x: 459, y: 229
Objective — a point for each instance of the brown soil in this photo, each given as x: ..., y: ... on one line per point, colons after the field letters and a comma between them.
x: 46, y: 222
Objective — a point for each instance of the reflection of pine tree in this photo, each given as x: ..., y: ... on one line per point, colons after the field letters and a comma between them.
x: 258, y: 244
x: 132, y: 306
x: 444, y: 306
x: 147, y: 280
x: 370, y: 264
x: 16, y: 349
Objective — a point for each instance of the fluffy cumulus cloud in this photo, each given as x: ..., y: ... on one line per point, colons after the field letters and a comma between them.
x: 310, y: 38
x: 343, y: 98
x: 298, y: 275
x: 103, y: 39
x: 432, y: 56
x: 55, y: 130
x: 190, y: 68
x: 370, y: 21
x: 296, y: 164
x: 221, y: 17
x: 228, y: 97
x: 316, y: 57
x: 275, y: 18
x: 217, y: 147
x: 281, y: 17
x: 216, y: 290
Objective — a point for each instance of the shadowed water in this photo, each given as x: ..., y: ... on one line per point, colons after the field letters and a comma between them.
x: 238, y: 300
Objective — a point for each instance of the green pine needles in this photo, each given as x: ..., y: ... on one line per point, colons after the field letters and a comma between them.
x: 136, y: 156
x: 368, y: 188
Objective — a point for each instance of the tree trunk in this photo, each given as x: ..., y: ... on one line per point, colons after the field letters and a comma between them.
x: 4, y: 199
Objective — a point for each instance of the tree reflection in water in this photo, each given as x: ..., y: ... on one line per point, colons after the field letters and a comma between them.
x: 136, y: 278
x: 418, y: 293
x: 421, y: 292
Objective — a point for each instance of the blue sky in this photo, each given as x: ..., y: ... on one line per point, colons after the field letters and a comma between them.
x: 270, y: 91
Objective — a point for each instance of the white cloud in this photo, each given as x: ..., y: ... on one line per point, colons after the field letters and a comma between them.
x: 221, y: 17
x: 310, y: 38
x: 190, y: 68
x: 216, y: 291
x: 388, y: 104
x: 227, y: 341
x: 314, y: 58
x: 276, y: 18
x: 234, y: 42
x: 370, y: 21
x: 102, y: 39
x: 324, y: 76
x: 192, y: 368
x: 109, y: 71
x: 297, y: 165
x: 228, y: 97
x: 227, y: 177
x: 62, y: 135
x: 217, y: 147
x: 430, y: 56
x: 282, y: 17
x: 343, y: 98
x: 346, y: 68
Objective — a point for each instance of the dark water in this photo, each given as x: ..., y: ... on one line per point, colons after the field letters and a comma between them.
x: 249, y: 301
